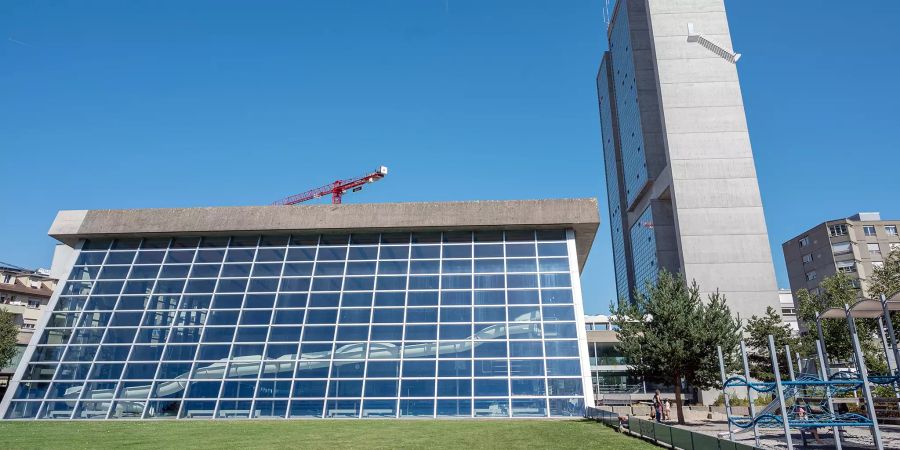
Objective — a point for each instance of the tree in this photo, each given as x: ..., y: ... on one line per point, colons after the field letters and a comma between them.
x: 758, y: 330
x: 885, y: 280
x: 835, y: 291
x: 670, y: 334
x: 8, y: 333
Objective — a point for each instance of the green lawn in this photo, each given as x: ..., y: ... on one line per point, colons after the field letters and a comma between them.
x: 339, y: 434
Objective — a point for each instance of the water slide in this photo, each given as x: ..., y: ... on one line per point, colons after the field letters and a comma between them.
x: 308, y: 361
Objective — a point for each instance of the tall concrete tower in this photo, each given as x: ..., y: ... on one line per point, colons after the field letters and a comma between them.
x: 683, y: 193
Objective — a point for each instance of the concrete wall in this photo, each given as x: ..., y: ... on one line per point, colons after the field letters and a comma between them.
x: 62, y: 261
x: 701, y: 180
x: 581, y: 215
x: 719, y: 221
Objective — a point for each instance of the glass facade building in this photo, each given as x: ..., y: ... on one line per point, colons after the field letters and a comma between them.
x: 643, y: 247
x: 681, y: 184
x: 612, y: 166
x: 628, y: 113
x: 358, y: 325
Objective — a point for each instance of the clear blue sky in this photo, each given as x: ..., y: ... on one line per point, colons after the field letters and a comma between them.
x: 111, y: 104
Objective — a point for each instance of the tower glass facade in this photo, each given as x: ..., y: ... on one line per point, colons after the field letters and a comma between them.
x: 405, y: 324
x: 610, y: 158
x: 643, y: 245
x: 631, y: 136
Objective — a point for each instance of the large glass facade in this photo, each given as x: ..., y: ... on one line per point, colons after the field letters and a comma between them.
x: 611, y: 161
x: 631, y: 136
x: 453, y: 324
x: 643, y: 251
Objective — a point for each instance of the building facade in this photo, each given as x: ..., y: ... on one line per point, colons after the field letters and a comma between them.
x: 25, y: 294
x: 788, y: 310
x: 609, y: 372
x: 680, y: 176
x: 609, y: 369
x: 855, y: 245
x: 469, y: 309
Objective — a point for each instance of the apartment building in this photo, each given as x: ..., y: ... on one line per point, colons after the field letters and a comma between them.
x: 25, y: 294
x: 855, y: 245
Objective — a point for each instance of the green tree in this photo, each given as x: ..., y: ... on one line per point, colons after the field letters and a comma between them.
x: 758, y: 330
x: 670, y: 334
x: 886, y: 279
x: 835, y: 291
x: 8, y: 332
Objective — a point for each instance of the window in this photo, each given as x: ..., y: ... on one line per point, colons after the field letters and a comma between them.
x: 415, y: 326
x: 891, y: 230
x: 837, y: 230
x: 7, y: 278
x: 787, y: 311
x: 804, y: 241
x: 34, y: 304
x: 841, y: 248
x: 874, y: 249
x: 869, y: 230
x: 878, y: 264
x: 811, y: 275
x: 807, y: 258
x: 846, y: 266
x: 895, y: 246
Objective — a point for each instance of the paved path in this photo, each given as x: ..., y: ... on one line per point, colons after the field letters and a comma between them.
x: 853, y: 437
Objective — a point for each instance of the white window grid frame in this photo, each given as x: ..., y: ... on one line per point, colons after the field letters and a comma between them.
x: 174, y: 312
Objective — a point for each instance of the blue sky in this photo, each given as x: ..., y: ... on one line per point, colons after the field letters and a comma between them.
x: 110, y: 104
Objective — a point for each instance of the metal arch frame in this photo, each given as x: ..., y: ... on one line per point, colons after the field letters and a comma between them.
x: 780, y: 388
x: 865, y: 309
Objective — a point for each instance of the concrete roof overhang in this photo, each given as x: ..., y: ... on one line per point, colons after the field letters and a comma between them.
x: 581, y: 215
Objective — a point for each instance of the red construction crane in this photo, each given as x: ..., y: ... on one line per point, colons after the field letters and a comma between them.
x: 336, y: 189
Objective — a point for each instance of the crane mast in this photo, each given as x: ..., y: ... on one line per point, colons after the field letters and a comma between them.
x: 336, y: 188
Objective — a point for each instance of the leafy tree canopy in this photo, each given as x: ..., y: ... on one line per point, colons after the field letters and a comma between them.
x: 758, y: 330
x: 886, y: 279
x: 8, y: 333
x: 836, y: 291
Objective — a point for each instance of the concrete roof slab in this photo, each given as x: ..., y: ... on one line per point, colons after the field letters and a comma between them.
x: 582, y: 215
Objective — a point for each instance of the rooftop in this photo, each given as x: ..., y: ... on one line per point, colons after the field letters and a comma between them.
x: 866, y: 216
x: 582, y: 215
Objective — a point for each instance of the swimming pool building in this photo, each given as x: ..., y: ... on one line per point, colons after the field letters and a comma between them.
x: 461, y: 309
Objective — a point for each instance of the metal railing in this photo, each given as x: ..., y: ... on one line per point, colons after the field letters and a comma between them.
x: 665, y: 435
x: 617, y: 388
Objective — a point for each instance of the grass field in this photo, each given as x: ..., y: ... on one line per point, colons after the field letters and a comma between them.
x: 458, y: 434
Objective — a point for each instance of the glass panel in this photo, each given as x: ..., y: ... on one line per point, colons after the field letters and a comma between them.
x: 379, y: 408
x: 342, y: 408
x: 454, y: 408
x: 529, y: 408
x: 306, y: 408
x: 491, y: 408
x: 412, y: 408
x: 384, y: 322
